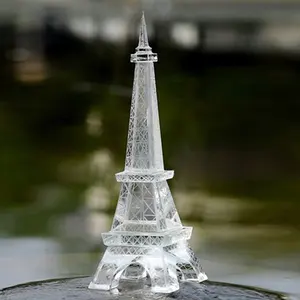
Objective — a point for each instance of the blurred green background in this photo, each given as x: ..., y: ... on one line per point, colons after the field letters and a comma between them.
x: 228, y: 83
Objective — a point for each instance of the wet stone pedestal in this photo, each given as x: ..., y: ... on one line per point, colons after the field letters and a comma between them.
x: 76, y: 288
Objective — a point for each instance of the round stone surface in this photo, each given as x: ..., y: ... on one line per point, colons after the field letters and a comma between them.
x: 76, y: 288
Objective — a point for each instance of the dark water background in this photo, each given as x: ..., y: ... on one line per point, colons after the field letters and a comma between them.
x: 227, y: 82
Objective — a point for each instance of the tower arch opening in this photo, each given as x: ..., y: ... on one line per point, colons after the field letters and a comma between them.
x: 133, y: 271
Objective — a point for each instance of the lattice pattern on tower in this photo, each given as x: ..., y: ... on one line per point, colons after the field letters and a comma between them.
x: 147, y: 236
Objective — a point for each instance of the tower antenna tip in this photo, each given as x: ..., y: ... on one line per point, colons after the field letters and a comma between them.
x: 143, y: 39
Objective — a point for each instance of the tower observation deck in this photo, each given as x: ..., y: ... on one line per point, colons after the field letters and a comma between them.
x: 147, y: 237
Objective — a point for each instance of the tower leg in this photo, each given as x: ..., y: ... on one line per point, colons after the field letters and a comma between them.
x: 187, y: 262
x: 162, y: 272
x: 111, y: 265
x: 104, y: 275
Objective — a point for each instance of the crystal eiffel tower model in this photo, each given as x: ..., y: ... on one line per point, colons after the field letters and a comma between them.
x: 146, y: 236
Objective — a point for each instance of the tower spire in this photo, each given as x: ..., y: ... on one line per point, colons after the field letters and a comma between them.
x: 143, y: 38
x: 143, y: 50
x: 147, y: 236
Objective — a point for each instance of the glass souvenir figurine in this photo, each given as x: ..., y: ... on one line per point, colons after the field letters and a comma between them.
x: 147, y: 237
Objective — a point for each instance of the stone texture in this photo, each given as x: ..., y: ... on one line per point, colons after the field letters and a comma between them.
x: 76, y: 288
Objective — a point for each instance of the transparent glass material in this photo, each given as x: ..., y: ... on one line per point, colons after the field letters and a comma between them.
x: 146, y: 237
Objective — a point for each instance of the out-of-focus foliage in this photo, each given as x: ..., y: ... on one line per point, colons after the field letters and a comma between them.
x: 230, y: 121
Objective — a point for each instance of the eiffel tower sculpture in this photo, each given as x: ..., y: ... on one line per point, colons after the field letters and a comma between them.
x: 146, y: 237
